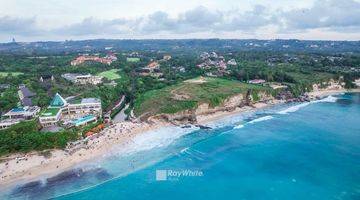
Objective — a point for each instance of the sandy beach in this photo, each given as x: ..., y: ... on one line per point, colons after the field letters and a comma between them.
x: 324, y: 93
x: 28, y: 167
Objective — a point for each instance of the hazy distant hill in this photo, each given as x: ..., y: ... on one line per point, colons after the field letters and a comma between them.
x: 179, y: 45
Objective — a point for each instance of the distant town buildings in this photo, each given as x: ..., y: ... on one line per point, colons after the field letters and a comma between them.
x: 82, y: 79
x: 232, y: 62
x: 108, y: 59
x: 153, y: 65
x: 214, y: 61
x: 71, y: 113
x: 167, y: 57
x: 152, y: 69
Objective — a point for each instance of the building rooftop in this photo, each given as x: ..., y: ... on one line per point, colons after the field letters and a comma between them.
x: 26, y: 92
x: 17, y: 110
x: 22, y: 111
x: 26, y: 101
x: 90, y: 100
x: 73, y: 76
x: 58, y: 101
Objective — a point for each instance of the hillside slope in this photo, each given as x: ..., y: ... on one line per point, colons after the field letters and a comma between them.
x: 188, y: 95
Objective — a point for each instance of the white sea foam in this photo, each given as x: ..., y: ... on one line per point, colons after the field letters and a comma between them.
x: 268, y: 117
x: 184, y: 150
x: 239, y: 126
x: 155, y: 139
x: 193, y: 153
x: 330, y: 99
x: 293, y: 108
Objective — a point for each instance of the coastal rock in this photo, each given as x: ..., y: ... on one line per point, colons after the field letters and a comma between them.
x: 190, y: 116
x: 203, y: 127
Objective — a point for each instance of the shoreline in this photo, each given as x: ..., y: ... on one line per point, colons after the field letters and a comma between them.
x: 324, y: 93
x: 23, y: 168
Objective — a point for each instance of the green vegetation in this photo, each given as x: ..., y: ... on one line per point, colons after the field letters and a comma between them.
x: 188, y: 94
x: 310, y: 77
x: 25, y: 137
x: 50, y: 112
x: 134, y: 60
x: 298, y: 70
x: 4, y: 74
x: 111, y: 74
x: 8, y: 99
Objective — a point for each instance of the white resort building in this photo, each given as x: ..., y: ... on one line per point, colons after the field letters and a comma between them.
x: 71, y: 113
x: 17, y: 115
x: 82, y: 79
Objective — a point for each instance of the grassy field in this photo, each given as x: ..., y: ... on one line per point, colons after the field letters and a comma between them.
x: 188, y: 95
x: 3, y: 74
x: 132, y: 59
x: 112, y: 74
x: 313, y: 77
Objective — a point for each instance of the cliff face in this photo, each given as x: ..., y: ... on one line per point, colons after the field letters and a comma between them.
x: 230, y: 104
x: 330, y: 85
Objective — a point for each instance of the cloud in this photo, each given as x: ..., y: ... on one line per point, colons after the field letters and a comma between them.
x: 322, y: 15
x: 195, y: 20
x: 331, y: 14
x: 92, y: 26
x: 19, y: 26
x: 251, y: 20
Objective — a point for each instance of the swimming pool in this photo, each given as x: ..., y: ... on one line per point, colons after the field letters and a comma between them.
x: 83, y: 120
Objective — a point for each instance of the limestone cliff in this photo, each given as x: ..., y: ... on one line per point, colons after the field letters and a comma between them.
x: 230, y: 104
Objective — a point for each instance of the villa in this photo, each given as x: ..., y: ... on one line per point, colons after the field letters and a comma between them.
x: 82, y: 79
x: 84, y: 58
x: 152, y: 69
x: 72, y: 113
x: 153, y: 65
x: 166, y: 57
x: 232, y: 62
x: 257, y: 81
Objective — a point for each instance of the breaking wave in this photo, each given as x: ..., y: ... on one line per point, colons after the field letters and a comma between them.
x: 329, y: 99
x: 239, y: 126
x: 268, y: 117
x: 293, y: 108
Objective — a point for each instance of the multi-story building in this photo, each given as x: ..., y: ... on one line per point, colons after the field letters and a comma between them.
x: 17, y: 115
x: 74, y: 112
x: 27, y: 112
x: 82, y: 79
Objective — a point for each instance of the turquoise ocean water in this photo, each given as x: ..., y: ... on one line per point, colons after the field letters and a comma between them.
x: 298, y: 151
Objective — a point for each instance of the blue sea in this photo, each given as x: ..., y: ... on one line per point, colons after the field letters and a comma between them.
x: 294, y: 151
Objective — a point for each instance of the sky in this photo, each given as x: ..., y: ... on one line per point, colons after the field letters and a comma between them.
x: 58, y: 20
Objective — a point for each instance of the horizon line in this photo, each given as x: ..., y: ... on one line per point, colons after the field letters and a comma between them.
x: 137, y: 39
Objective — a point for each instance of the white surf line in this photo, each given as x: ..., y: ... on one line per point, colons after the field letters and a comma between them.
x: 265, y: 118
x: 329, y: 99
